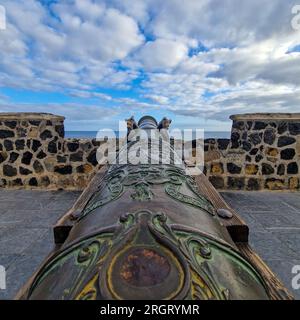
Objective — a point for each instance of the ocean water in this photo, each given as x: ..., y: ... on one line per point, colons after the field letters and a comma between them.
x: 93, y: 134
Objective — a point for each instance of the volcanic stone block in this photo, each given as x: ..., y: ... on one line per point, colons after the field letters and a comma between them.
x: 76, y: 157
x: 267, y: 169
x: 38, y: 168
x: 8, y: 145
x: 20, y: 144
x: 86, y: 146
x: 26, y: 159
x: 9, y: 171
x: 259, y: 125
x: 249, y: 125
x: 294, y: 128
x: 16, y: 182
x: 235, y: 183
x: 33, y: 182
x: 21, y: 132
x: 246, y: 145
x: 223, y: 143
x: 45, y: 181
x: 274, y: 184
x: 41, y: 155
x: 235, y: 140
x: 36, y: 145
x: 281, y: 169
x: 13, y: 157
x: 52, y: 147
x: 217, y: 182
x: 3, y: 183
x: 63, y: 169
x: 3, y: 156
x: 255, y: 138
x: 6, y: 134
x: 285, y: 141
x: 240, y: 125
x: 92, y: 158
x: 258, y: 158
x: 60, y: 130
x: 217, y: 168
x: 73, y: 146
x: 292, y: 168
x: 273, y: 152
x: 233, y: 168
x: 251, y: 169
x: 253, y: 151
x: 10, y: 124
x: 282, y: 127
x: 35, y: 123
x: 33, y: 132
x: 294, y: 183
x: 46, y: 134
x: 269, y: 136
x: 61, y: 159
x: 253, y: 184
x: 85, y: 168
x: 287, y: 154
x: 248, y: 158
x: 25, y: 171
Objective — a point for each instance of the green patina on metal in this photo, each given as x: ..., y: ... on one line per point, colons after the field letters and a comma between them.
x: 150, y: 234
x: 140, y: 180
x: 200, y: 252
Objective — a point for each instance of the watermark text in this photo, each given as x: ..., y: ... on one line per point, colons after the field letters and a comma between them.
x: 2, y: 278
x: 296, y: 278
x: 295, y: 22
x: 2, y: 18
x: 183, y: 148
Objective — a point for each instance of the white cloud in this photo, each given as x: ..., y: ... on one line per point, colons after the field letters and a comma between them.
x: 201, y: 58
x: 161, y: 54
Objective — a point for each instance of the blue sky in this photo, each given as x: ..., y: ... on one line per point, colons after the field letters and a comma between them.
x: 197, y: 62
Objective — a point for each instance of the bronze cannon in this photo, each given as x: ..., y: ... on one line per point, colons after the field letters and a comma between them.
x: 151, y: 231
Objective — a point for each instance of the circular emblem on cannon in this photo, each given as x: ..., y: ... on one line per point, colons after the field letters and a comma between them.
x: 142, y: 272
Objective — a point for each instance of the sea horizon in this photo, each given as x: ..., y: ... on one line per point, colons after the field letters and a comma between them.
x: 93, y: 134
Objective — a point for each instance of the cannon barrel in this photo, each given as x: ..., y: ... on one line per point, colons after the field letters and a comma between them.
x: 147, y: 122
x: 151, y: 231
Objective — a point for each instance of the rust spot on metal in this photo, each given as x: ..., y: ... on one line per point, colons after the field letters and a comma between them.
x: 144, y: 267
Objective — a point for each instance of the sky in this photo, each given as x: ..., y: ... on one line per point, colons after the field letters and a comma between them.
x: 194, y: 61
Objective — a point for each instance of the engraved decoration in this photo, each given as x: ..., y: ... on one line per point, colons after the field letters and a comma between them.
x: 140, y: 179
x: 143, y: 256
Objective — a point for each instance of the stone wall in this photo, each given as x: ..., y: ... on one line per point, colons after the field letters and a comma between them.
x: 263, y: 153
x: 35, y: 154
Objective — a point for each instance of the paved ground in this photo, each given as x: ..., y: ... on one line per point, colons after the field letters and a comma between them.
x: 26, y: 238
x: 26, y: 218
x: 274, y: 221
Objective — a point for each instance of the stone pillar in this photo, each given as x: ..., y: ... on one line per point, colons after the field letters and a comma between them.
x: 270, y: 146
x: 35, y: 154
x: 26, y: 141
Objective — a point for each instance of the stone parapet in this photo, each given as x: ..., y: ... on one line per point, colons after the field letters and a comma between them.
x: 262, y: 153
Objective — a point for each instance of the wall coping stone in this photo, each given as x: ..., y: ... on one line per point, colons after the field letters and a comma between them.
x: 266, y: 116
x: 30, y: 116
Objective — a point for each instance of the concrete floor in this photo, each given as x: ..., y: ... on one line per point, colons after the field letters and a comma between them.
x: 26, y: 218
